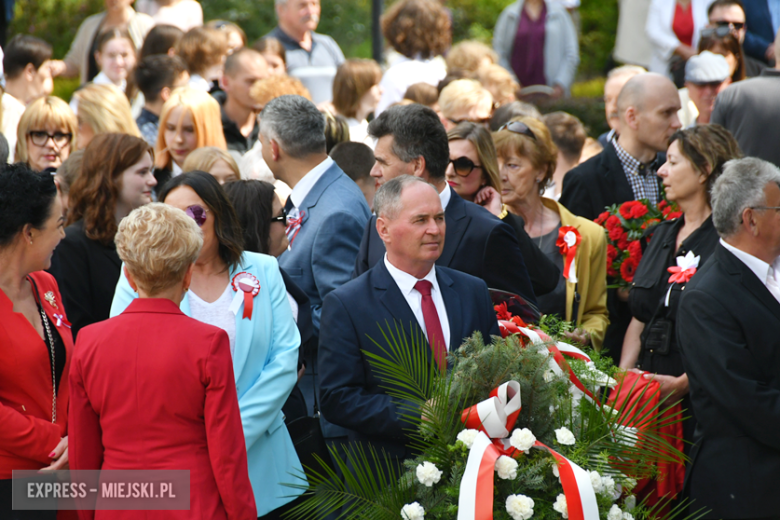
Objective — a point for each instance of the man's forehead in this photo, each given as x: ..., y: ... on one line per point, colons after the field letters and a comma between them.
x: 728, y: 13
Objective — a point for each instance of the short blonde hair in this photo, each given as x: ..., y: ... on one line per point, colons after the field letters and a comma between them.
x: 204, y: 158
x: 106, y: 110
x: 270, y: 88
x: 469, y: 55
x: 462, y: 95
x: 540, y: 150
x: 45, y: 111
x: 206, y: 118
x: 500, y: 83
x: 158, y: 243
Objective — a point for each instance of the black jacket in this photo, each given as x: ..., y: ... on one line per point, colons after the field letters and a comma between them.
x: 476, y: 243
x: 543, y: 272
x: 727, y: 329
x: 87, y: 276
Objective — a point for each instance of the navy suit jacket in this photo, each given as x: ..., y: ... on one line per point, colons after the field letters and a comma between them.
x: 353, y: 318
x: 476, y: 242
x: 760, y: 33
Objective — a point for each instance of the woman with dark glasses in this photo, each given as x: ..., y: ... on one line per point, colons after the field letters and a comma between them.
x: 116, y: 177
x: 46, y: 134
x: 242, y: 293
x: 527, y: 158
x: 473, y: 174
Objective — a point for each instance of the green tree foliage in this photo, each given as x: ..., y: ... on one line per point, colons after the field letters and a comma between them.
x: 55, y: 21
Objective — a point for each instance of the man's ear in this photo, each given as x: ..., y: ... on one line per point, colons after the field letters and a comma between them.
x: 382, y: 229
x: 275, y: 150
x: 224, y: 82
x: 631, y: 115
x: 165, y: 93
x: 419, y: 167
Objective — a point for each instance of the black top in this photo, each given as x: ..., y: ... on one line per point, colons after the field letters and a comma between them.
x: 541, y: 270
x: 651, y: 284
x: 233, y: 136
x: 555, y: 301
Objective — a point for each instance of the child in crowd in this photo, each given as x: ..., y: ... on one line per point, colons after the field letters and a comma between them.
x: 157, y: 76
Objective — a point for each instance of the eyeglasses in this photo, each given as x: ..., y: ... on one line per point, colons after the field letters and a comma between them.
x: 197, y: 213
x: 463, y: 166
x: 737, y: 26
x: 776, y: 208
x: 718, y: 32
x: 39, y: 138
x: 282, y: 218
x: 518, y: 127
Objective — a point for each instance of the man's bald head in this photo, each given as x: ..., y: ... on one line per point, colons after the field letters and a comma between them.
x: 640, y: 89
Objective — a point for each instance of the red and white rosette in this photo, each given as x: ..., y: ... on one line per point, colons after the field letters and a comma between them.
x: 246, y: 286
x: 682, y: 272
x: 495, y: 418
x: 568, y: 241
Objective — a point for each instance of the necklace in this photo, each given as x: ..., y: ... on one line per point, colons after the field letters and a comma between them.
x: 45, y: 320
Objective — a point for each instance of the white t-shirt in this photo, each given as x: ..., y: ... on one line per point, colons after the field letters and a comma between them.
x: 217, y: 313
x: 12, y: 113
x: 185, y: 14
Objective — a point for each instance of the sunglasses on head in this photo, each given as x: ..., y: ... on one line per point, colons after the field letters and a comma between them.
x: 518, y: 127
x: 197, y: 213
x: 463, y: 166
x: 718, y: 32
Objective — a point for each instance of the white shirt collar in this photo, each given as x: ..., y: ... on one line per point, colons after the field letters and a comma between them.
x: 308, y: 181
x: 758, y: 266
x: 445, y: 196
x: 102, y: 79
x: 199, y: 82
x: 405, y: 281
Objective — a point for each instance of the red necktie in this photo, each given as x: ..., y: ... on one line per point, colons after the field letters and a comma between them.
x: 432, y: 323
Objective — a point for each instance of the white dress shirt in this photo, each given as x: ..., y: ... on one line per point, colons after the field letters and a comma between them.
x: 305, y: 185
x: 445, y: 196
x: 760, y: 268
x: 406, y: 283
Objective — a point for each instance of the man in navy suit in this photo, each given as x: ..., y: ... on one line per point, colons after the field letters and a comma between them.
x: 761, y: 29
x: 411, y: 140
x: 407, y: 290
x: 326, y: 212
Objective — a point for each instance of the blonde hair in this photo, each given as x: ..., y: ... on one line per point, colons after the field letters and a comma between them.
x: 106, y: 110
x: 45, y: 111
x: 203, y: 159
x: 206, y: 118
x: 353, y: 79
x: 469, y: 55
x: 272, y: 87
x: 462, y: 95
x: 541, y: 151
x: 158, y: 243
x: 499, y: 82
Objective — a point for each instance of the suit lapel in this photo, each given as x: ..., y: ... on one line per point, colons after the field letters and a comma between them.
x: 244, y: 328
x: 616, y: 177
x: 454, y: 309
x: 391, y: 296
x: 457, y: 222
x: 328, y: 177
x: 748, y: 279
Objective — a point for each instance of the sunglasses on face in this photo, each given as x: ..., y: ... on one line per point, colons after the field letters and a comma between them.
x: 518, y: 127
x: 39, y: 137
x: 737, y: 26
x: 197, y: 213
x: 463, y: 166
x: 281, y: 218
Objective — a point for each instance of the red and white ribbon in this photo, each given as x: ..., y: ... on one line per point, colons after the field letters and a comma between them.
x: 294, y: 223
x: 682, y: 272
x: 61, y: 320
x: 568, y: 241
x: 475, y: 501
x: 246, y: 287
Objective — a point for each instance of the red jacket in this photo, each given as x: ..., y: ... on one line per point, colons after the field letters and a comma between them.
x: 27, y: 435
x: 154, y: 389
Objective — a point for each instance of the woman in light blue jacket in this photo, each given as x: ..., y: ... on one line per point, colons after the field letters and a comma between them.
x: 242, y: 293
x: 537, y: 42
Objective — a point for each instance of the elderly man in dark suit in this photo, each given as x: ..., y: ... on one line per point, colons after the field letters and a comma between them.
x: 405, y: 289
x: 626, y: 170
x: 727, y: 329
x: 411, y: 140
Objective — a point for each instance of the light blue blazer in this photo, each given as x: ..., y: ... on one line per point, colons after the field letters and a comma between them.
x: 265, y: 365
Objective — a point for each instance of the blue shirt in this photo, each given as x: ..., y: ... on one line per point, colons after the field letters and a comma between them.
x: 774, y: 10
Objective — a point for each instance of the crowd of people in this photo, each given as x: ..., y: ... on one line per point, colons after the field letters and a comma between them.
x: 210, y: 240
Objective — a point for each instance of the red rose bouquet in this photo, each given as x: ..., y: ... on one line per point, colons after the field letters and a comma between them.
x: 624, y: 225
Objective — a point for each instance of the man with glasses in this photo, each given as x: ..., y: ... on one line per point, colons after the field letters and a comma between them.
x: 727, y: 327
x: 750, y: 110
x: 411, y: 141
x: 728, y: 16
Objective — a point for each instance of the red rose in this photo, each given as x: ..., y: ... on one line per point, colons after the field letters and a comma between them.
x: 611, y: 271
x: 622, y: 242
x: 602, y: 218
x: 673, y: 215
x: 612, y: 254
x: 633, y: 209
x: 650, y: 222
x: 635, y: 251
x: 662, y: 205
x: 627, y: 269
x: 612, y: 222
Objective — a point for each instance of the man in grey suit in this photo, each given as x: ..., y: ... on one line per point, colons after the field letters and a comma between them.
x: 326, y: 211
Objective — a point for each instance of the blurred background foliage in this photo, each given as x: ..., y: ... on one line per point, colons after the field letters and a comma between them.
x: 349, y: 22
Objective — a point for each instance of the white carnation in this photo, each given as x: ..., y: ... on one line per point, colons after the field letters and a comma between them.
x: 564, y: 436
x: 628, y: 516
x: 468, y: 437
x: 599, y: 378
x: 522, y: 440
x: 428, y: 474
x: 629, y: 502
x: 506, y: 467
x: 560, y: 505
x: 609, y: 486
x: 520, y: 507
x: 413, y: 511
x: 596, y: 481
x: 615, y: 513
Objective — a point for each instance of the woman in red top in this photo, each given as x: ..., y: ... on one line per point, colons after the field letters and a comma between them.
x: 35, y: 338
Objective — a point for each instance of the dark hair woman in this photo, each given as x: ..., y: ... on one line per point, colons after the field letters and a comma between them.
x: 728, y: 47
x: 116, y: 177
x: 242, y: 293
x: 694, y: 161
x: 33, y: 403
